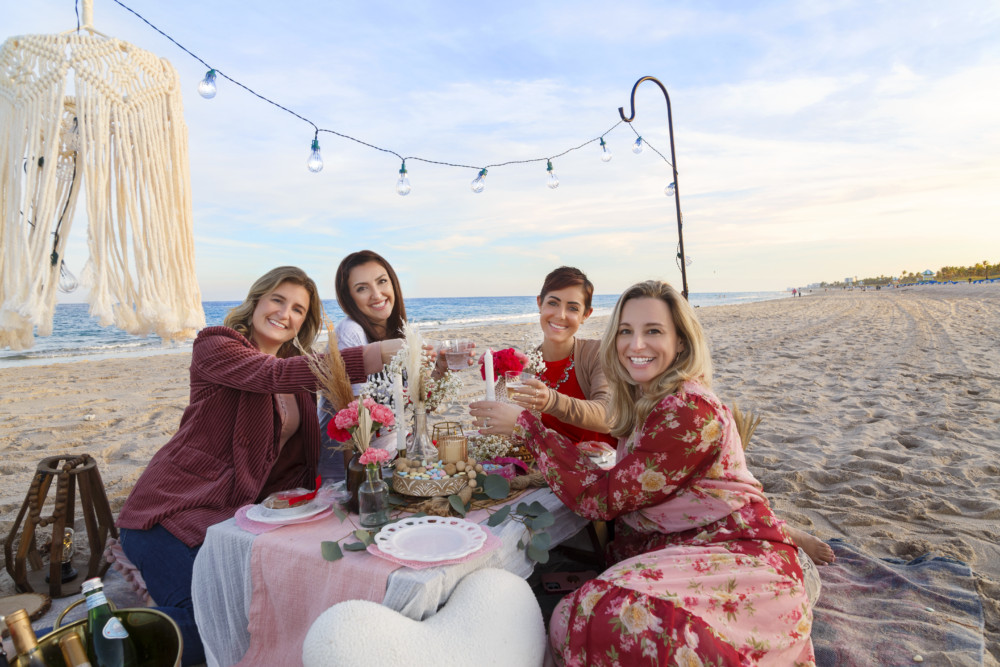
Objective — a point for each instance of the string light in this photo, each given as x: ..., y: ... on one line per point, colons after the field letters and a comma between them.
x: 480, y: 182
x: 553, y: 180
x: 669, y: 190
x: 637, y: 146
x: 605, y: 152
x: 403, y: 184
x: 315, y: 161
x: 206, y: 88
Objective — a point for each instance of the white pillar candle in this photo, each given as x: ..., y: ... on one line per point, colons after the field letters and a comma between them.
x: 488, y: 367
x: 399, y: 410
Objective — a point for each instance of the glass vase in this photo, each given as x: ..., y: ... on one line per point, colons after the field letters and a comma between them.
x: 373, y: 501
x: 355, y: 477
x: 421, y: 447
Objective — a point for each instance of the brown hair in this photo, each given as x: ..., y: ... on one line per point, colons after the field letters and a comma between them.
x: 240, y: 318
x: 629, y: 405
x: 568, y: 276
x: 394, y: 324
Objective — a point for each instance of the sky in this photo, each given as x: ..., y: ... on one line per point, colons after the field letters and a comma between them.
x: 814, y: 140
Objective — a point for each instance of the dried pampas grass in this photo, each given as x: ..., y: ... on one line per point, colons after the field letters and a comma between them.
x: 331, y: 372
x: 746, y: 424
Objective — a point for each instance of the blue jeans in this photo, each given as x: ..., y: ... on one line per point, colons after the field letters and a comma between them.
x: 166, y: 565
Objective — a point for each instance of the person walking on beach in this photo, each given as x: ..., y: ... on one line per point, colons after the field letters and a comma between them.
x: 703, y: 571
x: 250, y: 430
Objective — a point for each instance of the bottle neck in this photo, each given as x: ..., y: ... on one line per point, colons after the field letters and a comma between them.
x: 96, y: 599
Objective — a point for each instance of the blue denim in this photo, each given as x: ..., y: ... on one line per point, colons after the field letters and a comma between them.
x: 167, y: 565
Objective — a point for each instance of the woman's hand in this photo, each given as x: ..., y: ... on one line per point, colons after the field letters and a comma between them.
x: 389, y: 348
x: 495, y: 418
x: 533, y: 396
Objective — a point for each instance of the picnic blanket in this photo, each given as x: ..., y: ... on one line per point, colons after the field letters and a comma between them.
x: 886, y: 611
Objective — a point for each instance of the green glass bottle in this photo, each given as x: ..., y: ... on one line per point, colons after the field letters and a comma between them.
x: 108, y: 642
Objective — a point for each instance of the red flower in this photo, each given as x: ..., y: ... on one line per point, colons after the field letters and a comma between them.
x: 338, y: 434
x: 505, y: 360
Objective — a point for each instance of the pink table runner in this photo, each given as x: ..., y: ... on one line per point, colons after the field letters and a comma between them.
x: 293, y: 585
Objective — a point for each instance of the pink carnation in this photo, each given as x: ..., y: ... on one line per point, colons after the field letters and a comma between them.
x: 374, y: 456
x: 382, y: 414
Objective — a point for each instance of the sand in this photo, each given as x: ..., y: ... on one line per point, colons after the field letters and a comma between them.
x: 881, y: 417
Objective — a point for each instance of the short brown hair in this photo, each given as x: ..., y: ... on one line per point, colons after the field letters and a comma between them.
x: 568, y: 276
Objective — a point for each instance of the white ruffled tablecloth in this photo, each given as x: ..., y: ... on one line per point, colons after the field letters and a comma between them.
x: 222, y: 585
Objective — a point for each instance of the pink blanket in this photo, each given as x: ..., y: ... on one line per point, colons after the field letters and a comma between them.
x: 293, y: 585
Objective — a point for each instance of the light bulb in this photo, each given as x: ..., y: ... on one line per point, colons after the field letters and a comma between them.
x: 480, y: 182
x: 605, y: 153
x: 403, y: 184
x: 206, y: 87
x: 315, y: 162
x: 553, y: 180
x: 67, y: 282
x: 637, y: 146
x: 669, y: 190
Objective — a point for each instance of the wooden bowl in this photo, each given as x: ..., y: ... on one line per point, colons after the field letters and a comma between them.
x: 427, y: 488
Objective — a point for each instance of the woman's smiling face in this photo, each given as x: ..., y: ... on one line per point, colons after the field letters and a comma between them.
x: 279, y: 316
x: 372, y: 292
x: 561, y: 312
x: 647, y: 340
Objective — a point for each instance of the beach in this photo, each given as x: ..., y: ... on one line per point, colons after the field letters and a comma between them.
x: 880, y: 417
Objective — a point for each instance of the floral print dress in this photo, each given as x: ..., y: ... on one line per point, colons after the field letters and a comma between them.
x: 703, y: 574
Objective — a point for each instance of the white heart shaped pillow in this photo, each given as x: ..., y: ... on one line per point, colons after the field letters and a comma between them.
x: 491, y: 618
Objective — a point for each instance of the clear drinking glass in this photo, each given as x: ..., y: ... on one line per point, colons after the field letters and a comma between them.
x: 457, y: 353
x: 514, y: 381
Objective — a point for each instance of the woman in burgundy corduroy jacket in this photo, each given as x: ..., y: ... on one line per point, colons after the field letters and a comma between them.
x: 250, y: 430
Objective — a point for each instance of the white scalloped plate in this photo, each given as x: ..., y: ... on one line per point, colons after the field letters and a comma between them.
x: 428, y: 539
x: 288, y: 514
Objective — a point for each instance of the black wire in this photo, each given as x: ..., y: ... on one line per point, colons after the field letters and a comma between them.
x: 653, y: 148
x: 76, y: 6
x: 359, y: 141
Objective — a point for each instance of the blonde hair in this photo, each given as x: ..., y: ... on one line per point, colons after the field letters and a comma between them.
x: 629, y: 405
x: 240, y: 318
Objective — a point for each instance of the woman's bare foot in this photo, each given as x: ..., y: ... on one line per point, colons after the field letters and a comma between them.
x: 818, y: 551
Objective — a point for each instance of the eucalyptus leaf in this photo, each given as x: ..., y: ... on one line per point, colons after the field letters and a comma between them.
x: 499, y: 516
x: 355, y: 546
x: 331, y: 551
x: 496, y: 487
x: 396, y: 500
x: 541, y: 521
x: 339, y: 512
x: 522, y: 508
x: 541, y: 541
x: 536, y: 509
x: 456, y: 504
x: 538, y: 555
x: 364, y: 536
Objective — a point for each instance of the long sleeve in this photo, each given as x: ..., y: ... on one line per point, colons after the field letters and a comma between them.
x: 679, y: 441
x: 590, y: 414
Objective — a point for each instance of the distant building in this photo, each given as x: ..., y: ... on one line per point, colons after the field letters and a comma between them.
x: 849, y: 281
x: 927, y: 275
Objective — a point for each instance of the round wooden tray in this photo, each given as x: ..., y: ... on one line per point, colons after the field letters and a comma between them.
x: 428, y: 488
x: 36, y: 604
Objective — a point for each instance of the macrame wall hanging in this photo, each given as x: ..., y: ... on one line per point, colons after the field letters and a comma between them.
x: 121, y: 139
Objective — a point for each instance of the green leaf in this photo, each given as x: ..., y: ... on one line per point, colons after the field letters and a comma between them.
x: 499, y: 516
x: 541, y: 521
x: 364, y: 536
x: 355, y: 546
x: 396, y: 500
x: 480, y: 496
x: 457, y: 504
x: 541, y: 541
x: 520, y: 544
x: 331, y: 551
x: 339, y: 512
x: 496, y: 487
x: 536, y: 509
x: 522, y: 508
x: 538, y: 555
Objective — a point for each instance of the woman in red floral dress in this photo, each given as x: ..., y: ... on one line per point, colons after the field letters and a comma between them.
x: 703, y: 573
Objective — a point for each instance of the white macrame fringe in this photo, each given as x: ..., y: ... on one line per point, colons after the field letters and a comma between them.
x: 130, y: 156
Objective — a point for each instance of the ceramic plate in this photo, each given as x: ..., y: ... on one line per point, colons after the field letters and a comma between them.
x: 288, y: 514
x: 431, y: 538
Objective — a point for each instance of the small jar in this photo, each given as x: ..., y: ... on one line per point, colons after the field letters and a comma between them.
x: 373, y: 500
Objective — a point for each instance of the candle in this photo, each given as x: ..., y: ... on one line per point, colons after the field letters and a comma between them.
x: 488, y: 367
x: 398, y: 408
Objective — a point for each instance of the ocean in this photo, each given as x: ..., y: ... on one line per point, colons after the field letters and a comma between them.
x: 76, y: 336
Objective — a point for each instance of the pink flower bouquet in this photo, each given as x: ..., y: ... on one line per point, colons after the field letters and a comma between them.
x: 358, y: 421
